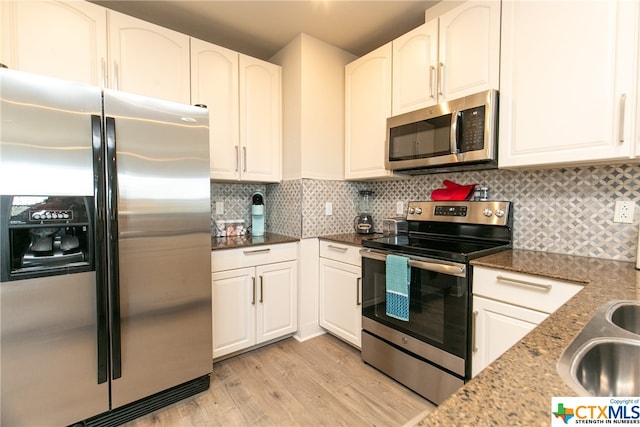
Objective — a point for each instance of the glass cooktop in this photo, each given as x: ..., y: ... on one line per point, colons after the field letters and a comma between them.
x: 436, y: 247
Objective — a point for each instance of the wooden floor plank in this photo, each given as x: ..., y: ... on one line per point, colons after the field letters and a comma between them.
x: 319, y: 382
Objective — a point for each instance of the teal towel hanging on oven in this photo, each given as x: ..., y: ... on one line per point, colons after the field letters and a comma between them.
x: 398, y: 277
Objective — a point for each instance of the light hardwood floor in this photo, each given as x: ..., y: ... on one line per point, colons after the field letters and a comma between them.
x: 319, y: 382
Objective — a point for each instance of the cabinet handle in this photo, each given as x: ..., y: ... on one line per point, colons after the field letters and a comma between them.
x: 244, y: 162
x: 103, y: 70
x: 623, y: 102
x: 358, y: 292
x: 540, y: 286
x: 253, y: 296
x: 261, y: 289
x: 474, y: 321
x: 237, y: 158
x: 432, y: 73
x: 338, y: 248
x: 441, y: 80
x: 116, y: 77
x: 257, y: 251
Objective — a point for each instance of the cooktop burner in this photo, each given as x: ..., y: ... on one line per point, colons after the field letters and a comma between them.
x: 457, y: 231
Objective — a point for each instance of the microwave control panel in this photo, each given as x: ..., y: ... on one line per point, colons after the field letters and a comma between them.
x: 472, y: 133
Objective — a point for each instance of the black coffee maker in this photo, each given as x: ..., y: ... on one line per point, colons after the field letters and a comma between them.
x: 363, y: 222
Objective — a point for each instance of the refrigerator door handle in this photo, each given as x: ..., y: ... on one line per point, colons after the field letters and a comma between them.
x: 114, y: 273
x: 102, y: 294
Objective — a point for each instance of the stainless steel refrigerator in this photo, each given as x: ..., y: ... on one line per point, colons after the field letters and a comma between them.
x: 105, y: 286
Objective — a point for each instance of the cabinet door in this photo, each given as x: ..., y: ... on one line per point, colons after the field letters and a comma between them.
x: 234, y: 310
x: 148, y: 60
x: 341, y: 300
x: 260, y: 120
x: 415, y: 62
x: 277, y: 313
x: 214, y: 83
x: 368, y: 104
x: 562, y: 88
x: 469, y: 49
x: 498, y: 326
x: 63, y: 39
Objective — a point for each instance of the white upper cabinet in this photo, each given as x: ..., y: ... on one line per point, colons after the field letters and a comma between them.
x: 415, y: 67
x: 469, y: 49
x: 63, y: 39
x: 455, y: 55
x: 567, y: 82
x: 367, y: 106
x: 260, y: 120
x: 243, y: 95
x: 148, y: 60
x: 214, y: 83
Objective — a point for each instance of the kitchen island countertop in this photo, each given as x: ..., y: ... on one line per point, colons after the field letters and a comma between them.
x: 516, y: 389
x: 232, y: 242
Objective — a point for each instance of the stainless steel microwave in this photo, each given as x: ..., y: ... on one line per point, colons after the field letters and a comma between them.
x: 453, y: 135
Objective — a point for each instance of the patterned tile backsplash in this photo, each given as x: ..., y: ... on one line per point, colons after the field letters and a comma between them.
x: 567, y: 210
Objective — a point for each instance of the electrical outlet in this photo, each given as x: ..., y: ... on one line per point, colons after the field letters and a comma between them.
x: 399, y: 208
x: 220, y: 208
x: 328, y: 208
x: 624, y: 211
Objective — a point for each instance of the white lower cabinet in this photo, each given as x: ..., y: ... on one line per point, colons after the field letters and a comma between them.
x: 507, y: 306
x: 254, y: 304
x: 341, y: 291
x: 498, y: 326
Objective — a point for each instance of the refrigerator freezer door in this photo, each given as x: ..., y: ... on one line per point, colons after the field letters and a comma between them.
x: 162, y: 295
x: 45, y: 135
x: 48, y: 347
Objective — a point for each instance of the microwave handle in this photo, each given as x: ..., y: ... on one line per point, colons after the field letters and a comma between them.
x: 453, y: 138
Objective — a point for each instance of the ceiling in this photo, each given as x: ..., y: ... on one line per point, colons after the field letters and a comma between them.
x: 261, y: 28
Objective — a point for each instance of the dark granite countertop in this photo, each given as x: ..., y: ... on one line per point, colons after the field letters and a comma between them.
x: 517, y: 388
x: 350, y: 238
x: 218, y: 243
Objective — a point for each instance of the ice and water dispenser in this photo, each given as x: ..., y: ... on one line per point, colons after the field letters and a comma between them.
x: 45, y: 235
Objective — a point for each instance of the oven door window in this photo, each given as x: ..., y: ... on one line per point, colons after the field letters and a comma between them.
x: 438, y: 305
x: 420, y: 140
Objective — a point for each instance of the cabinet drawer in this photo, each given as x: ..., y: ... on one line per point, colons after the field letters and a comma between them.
x: 535, y: 292
x: 340, y: 252
x: 251, y: 256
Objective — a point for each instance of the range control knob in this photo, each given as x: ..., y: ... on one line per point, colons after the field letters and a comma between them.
x: 487, y: 212
x: 500, y: 213
x: 412, y: 211
x: 418, y: 211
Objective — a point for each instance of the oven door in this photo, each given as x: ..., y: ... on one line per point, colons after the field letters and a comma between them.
x: 438, y: 301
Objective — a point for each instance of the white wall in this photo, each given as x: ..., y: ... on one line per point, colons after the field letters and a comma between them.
x: 313, y: 116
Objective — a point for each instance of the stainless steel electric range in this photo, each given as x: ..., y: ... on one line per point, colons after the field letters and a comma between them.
x: 421, y: 336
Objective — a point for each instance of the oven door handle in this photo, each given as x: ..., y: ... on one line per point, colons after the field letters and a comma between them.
x: 459, y: 270
x: 451, y: 270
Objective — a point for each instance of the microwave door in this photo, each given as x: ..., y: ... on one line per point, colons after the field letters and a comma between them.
x: 402, y: 142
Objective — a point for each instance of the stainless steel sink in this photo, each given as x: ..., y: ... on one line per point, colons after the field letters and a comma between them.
x: 627, y: 316
x: 604, y: 358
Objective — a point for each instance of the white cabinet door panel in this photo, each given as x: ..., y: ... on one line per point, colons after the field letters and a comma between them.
x: 234, y: 310
x: 148, y: 59
x: 469, y: 54
x: 498, y: 326
x: 277, y: 301
x: 62, y: 39
x: 562, y: 88
x: 341, y: 300
x: 214, y: 83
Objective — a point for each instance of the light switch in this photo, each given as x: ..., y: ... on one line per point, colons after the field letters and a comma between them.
x: 328, y: 208
x: 220, y: 208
